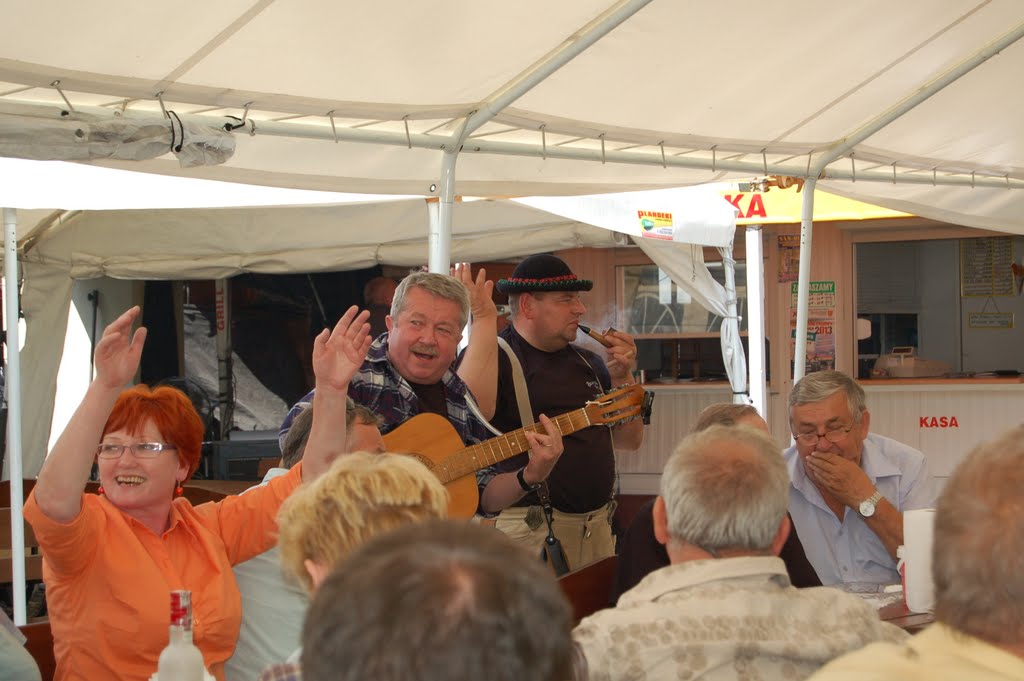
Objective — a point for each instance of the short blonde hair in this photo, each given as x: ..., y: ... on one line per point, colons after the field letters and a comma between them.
x: 360, y: 496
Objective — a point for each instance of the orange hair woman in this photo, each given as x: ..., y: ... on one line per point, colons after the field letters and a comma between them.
x: 111, y: 560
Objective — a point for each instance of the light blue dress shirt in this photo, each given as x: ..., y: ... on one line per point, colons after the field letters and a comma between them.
x: 848, y: 551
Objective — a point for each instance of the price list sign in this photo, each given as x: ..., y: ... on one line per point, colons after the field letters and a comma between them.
x: 986, y: 267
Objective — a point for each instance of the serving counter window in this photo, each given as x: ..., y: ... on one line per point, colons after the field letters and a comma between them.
x: 655, y: 306
x: 677, y: 338
x: 950, y: 307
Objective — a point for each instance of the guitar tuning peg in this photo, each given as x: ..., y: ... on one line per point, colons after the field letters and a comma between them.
x: 647, y: 406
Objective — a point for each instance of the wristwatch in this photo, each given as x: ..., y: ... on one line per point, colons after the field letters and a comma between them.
x: 867, y: 507
x: 527, y: 487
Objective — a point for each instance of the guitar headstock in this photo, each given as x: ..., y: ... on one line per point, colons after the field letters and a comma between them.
x: 619, y: 405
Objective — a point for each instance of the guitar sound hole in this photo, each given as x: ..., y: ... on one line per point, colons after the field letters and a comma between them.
x: 423, y: 460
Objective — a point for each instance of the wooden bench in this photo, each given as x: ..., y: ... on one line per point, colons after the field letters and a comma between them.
x: 33, y: 561
x: 589, y: 588
x: 5, y: 490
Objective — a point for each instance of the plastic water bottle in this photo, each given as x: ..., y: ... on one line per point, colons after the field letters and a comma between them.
x: 901, y: 567
x: 181, y: 660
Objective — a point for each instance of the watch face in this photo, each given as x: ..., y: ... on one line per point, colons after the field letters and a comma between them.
x: 867, y: 508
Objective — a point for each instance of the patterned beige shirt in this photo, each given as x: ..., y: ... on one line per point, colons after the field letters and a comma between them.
x: 734, y: 618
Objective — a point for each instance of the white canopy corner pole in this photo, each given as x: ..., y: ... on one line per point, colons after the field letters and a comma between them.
x: 758, y: 386
x: 804, y: 282
x: 440, y: 238
x: 13, y: 388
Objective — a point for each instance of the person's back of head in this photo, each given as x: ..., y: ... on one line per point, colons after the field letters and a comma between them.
x: 725, y: 488
x: 294, y: 445
x: 361, y: 495
x: 727, y: 414
x: 978, y: 548
x: 441, y: 601
x: 379, y: 291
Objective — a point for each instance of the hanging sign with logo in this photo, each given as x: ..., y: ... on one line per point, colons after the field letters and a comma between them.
x: 655, y: 224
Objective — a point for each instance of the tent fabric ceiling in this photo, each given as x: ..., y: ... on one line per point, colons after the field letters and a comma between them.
x: 209, y: 243
x: 763, y: 87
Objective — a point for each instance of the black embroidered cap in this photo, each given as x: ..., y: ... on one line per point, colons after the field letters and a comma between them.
x: 543, y: 272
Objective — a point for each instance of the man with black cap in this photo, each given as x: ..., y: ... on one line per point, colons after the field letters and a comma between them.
x: 544, y: 296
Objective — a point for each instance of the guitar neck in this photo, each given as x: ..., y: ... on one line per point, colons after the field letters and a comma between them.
x: 490, y: 452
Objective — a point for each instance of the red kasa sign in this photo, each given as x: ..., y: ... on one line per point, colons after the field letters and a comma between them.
x: 938, y: 422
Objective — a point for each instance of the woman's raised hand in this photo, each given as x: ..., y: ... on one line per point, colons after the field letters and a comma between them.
x: 338, y: 354
x: 119, y: 351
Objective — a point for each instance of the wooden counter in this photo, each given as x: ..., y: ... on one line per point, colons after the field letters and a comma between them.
x: 688, y: 385
x: 945, y: 382
x: 676, y: 406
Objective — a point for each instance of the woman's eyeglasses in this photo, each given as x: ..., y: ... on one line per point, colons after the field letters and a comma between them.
x: 141, y: 450
x: 834, y: 436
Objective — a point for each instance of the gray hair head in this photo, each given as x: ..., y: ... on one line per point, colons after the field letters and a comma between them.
x: 822, y: 385
x: 978, y: 547
x: 441, y: 285
x: 722, y: 414
x: 726, y: 488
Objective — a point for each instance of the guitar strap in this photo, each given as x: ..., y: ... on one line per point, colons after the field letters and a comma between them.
x: 552, y: 551
x: 519, y: 381
x: 522, y: 397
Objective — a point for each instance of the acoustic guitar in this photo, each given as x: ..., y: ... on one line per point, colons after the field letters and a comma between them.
x: 435, y: 443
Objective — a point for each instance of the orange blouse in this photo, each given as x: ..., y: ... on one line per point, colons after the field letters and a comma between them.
x: 108, y: 579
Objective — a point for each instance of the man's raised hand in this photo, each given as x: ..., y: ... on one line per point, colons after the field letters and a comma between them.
x: 481, y: 303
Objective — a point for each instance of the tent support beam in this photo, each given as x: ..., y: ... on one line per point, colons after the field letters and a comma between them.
x: 439, y: 245
x: 804, y: 285
x: 486, y: 146
x: 575, y: 44
x: 755, y: 320
x: 600, y: 26
x: 13, y: 388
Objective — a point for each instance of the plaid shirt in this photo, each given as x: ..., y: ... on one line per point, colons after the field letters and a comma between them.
x: 381, y: 389
x: 291, y: 671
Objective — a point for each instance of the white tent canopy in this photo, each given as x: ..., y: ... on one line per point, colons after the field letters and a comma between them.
x: 541, y: 98
x: 647, y: 96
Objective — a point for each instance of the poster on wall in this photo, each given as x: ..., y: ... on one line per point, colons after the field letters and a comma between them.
x: 986, y: 267
x: 821, y: 314
x: 789, y: 257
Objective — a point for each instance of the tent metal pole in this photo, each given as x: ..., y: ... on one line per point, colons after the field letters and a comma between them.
x: 804, y: 285
x: 536, y: 73
x: 440, y: 238
x: 757, y: 386
x: 485, y: 146
x: 13, y: 388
